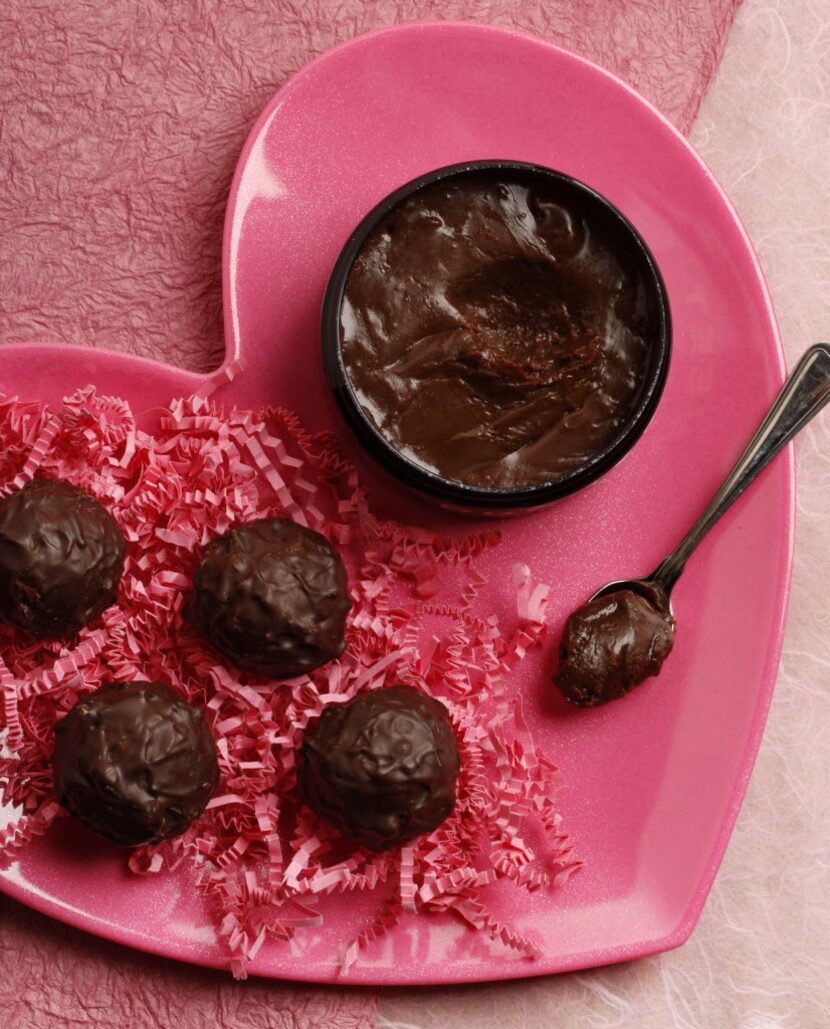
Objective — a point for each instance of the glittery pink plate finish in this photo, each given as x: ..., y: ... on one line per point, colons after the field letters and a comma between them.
x: 654, y: 782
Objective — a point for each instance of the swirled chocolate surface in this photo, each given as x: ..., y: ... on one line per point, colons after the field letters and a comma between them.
x: 496, y: 329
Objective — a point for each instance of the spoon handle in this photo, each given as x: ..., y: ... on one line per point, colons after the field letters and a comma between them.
x: 803, y: 395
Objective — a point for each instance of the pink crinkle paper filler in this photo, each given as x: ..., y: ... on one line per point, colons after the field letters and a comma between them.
x: 264, y: 862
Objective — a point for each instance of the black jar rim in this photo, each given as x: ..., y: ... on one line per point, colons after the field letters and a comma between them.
x: 452, y: 492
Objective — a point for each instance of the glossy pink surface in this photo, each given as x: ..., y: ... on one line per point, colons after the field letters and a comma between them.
x: 655, y: 781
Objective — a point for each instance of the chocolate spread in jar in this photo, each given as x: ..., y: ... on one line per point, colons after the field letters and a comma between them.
x: 496, y: 328
x: 611, y: 644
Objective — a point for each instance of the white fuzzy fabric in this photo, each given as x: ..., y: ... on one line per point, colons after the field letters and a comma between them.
x: 760, y: 957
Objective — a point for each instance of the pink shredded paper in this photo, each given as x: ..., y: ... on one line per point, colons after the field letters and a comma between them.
x: 262, y: 861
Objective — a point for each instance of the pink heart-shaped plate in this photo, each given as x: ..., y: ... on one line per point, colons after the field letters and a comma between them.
x: 654, y: 782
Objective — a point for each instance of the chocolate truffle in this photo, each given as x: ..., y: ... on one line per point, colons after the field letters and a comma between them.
x: 271, y: 596
x: 61, y: 559
x: 134, y: 762
x: 611, y: 644
x: 381, y: 768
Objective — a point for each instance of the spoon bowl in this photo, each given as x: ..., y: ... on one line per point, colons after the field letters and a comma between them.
x: 649, y: 588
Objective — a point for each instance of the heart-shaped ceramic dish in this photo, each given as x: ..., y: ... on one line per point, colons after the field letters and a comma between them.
x: 654, y: 782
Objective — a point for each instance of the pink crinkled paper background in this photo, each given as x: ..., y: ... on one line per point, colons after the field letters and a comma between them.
x: 121, y: 125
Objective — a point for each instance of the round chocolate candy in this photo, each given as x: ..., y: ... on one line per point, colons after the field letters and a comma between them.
x: 61, y: 559
x: 382, y: 767
x: 134, y: 762
x: 272, y: 597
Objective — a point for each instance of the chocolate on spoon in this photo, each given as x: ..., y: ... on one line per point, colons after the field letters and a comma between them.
x: 622, y: 635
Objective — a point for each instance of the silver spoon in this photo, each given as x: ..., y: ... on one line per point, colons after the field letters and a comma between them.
x: 803, y: 395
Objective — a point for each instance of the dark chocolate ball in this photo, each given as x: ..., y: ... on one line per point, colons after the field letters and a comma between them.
x: 134, y: 762
x: 382, y: 767
x: 271, y: 596
x: 61, y: 559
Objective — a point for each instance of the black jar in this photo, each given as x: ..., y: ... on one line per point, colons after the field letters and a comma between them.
x: 514, y: 498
